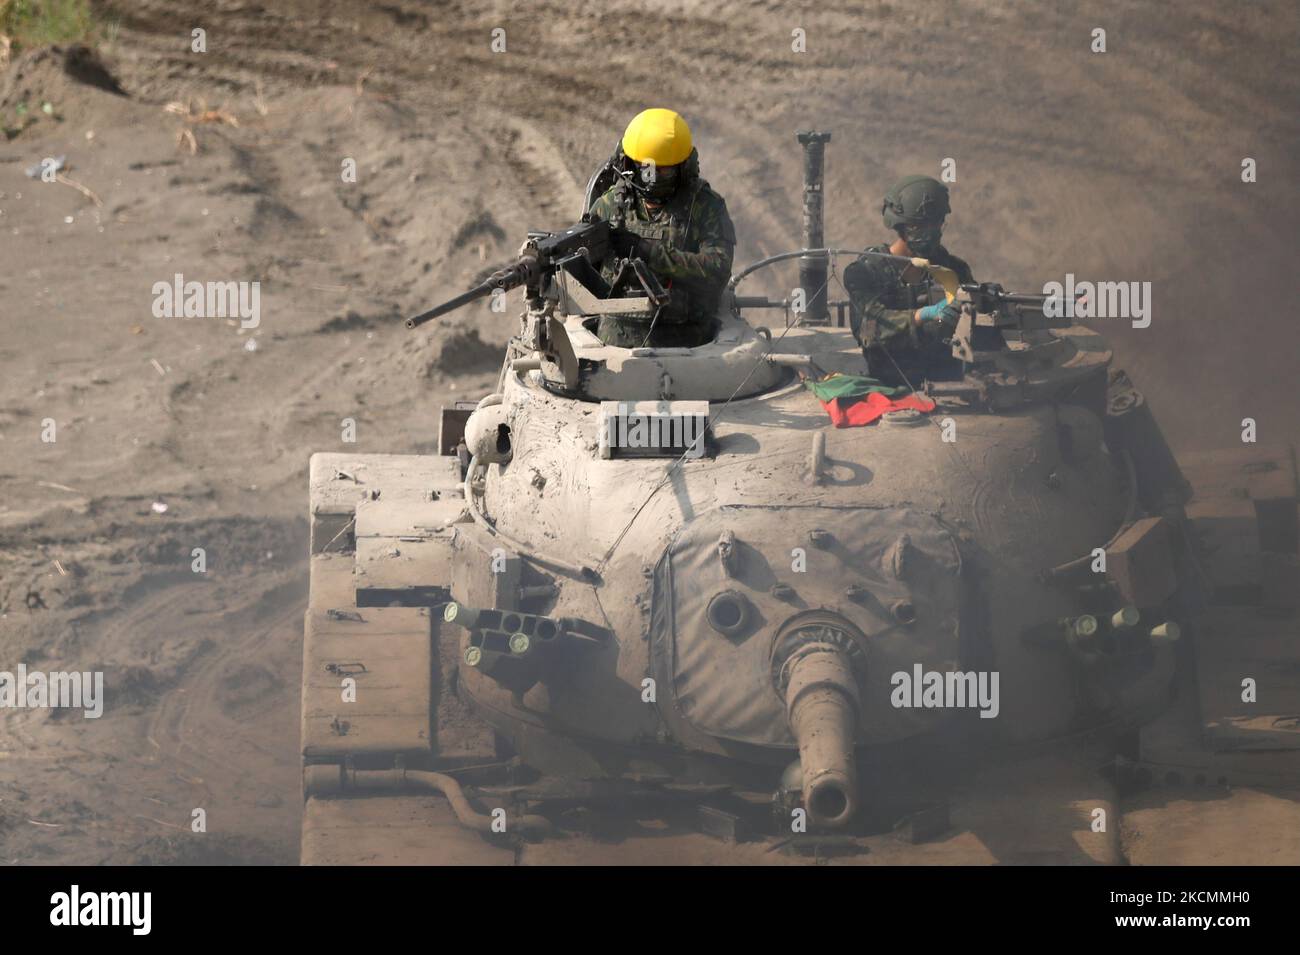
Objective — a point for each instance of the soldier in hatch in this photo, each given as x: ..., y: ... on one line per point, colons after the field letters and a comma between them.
x: 675, y: 223
x: 891, y: 311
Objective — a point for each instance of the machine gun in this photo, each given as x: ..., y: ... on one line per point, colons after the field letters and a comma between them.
x: 578, y: 250
x: 1015, y: 310
x: 988, y: 313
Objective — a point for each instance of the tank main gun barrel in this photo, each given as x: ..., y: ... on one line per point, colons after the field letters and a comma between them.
x: 822, y: 706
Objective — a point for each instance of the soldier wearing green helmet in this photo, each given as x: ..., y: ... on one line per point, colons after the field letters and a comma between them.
x: 896, y: 316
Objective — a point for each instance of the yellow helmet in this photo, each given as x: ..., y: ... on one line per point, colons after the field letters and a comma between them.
x: 659, y: 136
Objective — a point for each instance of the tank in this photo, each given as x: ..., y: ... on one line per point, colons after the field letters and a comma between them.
x: 650, y: 604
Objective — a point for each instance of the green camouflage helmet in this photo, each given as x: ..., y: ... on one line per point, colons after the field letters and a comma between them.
x: 914, y: 200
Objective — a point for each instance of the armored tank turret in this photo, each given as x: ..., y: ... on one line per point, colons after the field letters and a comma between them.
x: 659, y: 584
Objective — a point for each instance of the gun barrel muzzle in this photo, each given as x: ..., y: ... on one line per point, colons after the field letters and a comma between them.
x: 822, y: 706
x: 464, y: 298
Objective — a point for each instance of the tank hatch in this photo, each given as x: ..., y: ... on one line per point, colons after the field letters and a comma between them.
x: 735, y: 364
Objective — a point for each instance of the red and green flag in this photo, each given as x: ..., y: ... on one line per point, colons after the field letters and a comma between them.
x: 855, y: 400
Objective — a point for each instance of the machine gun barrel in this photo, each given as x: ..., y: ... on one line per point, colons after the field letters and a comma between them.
x: 1025, y: 298
x: 464, y: 298
x: 544, y: 253
x: 1016, y: 309
x: 523, y: 269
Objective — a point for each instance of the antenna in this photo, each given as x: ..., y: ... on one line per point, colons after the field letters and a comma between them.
x: 812, y: 268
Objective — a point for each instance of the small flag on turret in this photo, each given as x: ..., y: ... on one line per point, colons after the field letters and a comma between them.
x: 856, y: 400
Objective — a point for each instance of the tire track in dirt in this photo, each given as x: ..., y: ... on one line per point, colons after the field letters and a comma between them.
x: 170, y: 730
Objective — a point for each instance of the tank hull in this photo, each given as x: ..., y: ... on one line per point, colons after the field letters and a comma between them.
x: 685, y: 586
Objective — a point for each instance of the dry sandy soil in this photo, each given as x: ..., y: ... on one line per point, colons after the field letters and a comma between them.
x: 1123, y: 165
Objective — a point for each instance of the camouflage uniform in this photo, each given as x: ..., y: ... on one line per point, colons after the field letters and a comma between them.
x: 881, y: 309
x: 691, y: 244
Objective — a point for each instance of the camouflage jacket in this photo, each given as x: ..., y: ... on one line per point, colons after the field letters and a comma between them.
x: 878, y: 295
x: 695, y: 242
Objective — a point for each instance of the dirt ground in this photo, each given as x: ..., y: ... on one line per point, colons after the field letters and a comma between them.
x: 1123, y: 165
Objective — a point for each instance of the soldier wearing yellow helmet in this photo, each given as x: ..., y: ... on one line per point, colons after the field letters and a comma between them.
x: 675, y: 223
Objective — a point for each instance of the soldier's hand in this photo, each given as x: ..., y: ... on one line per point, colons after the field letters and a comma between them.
x: 624, y: 243
x: 628, y: 245
x: 645, y: 249
x: 941, y: 316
